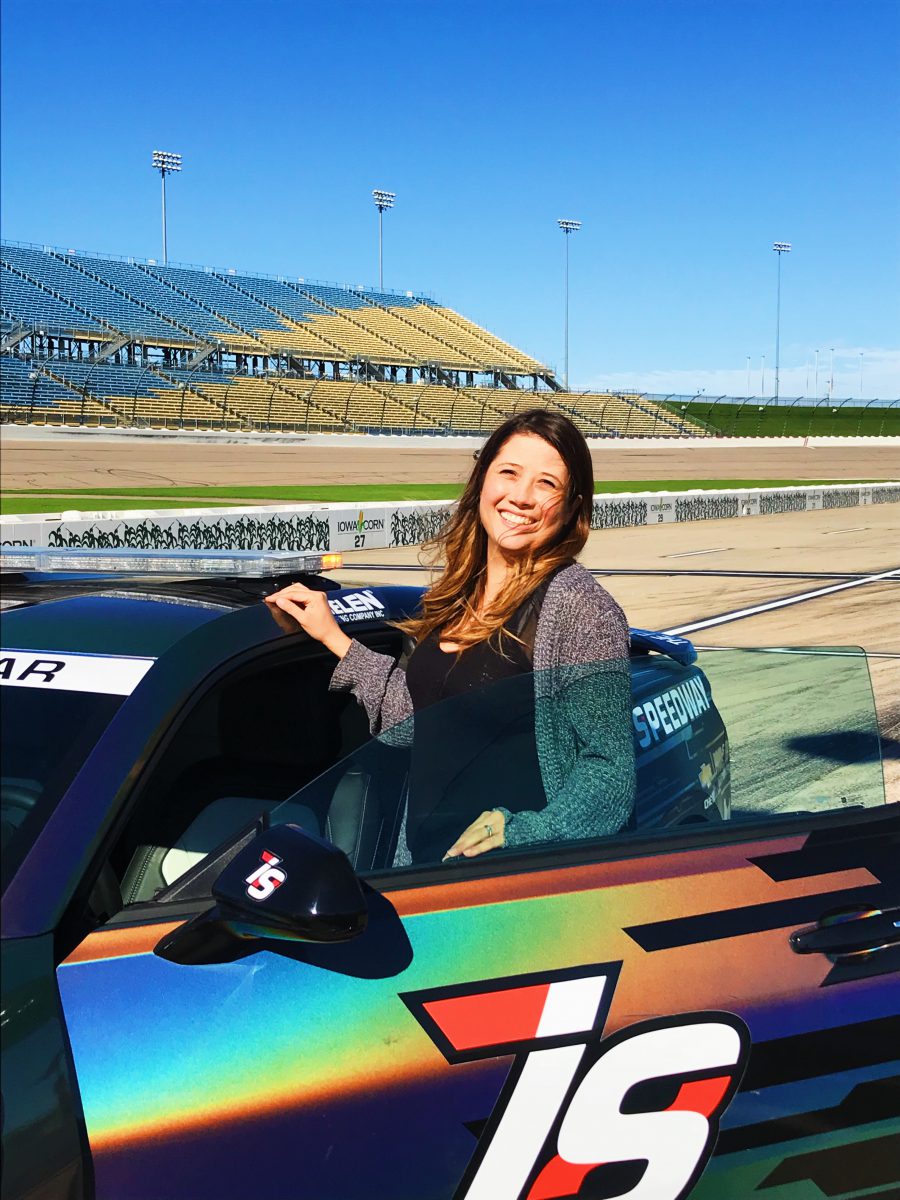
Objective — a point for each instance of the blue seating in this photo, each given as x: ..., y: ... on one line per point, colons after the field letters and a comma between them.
x: 100, y: 301
x: 335, y: 296
x: 108, y: 379
x: 391, y: 299
x: 23, y: 301
x: 212, y: 291
x: 282, y: 296
x: 23, y: 384
x: 155, y: 293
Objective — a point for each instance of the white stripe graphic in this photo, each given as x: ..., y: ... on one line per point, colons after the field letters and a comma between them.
x: 773, y: 604
x: 523, y: 1129
x: 103, y: 674
x: 571, y: 1006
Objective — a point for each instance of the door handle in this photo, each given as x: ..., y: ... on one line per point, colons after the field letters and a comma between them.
x: 848, y: 931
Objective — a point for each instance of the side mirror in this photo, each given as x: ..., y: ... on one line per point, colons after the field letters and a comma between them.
x: 286, y: 884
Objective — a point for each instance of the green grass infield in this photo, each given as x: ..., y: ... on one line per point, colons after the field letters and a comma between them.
x: 102, y: 499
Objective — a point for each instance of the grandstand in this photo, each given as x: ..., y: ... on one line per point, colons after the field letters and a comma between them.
x: 91, y: 340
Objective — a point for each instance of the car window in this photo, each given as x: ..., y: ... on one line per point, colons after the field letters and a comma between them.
x: 739, y: 735
x: 598, y: 752
x: 802, y: 728
x: 45, y: 736
x: 253, y: 738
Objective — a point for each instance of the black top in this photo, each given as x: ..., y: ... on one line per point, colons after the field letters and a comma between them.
x: 474, y: 745
x: 433, y: 674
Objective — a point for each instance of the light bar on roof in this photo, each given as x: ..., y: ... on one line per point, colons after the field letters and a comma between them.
x: 248, y: 564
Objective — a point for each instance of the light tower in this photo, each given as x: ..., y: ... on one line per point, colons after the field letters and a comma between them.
x: 382, y: 200
x: 779, y: 248
x: 165, y: 162
x: 567, y: 227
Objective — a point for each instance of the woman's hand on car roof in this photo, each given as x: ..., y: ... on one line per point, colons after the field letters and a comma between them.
x: 310, y: 610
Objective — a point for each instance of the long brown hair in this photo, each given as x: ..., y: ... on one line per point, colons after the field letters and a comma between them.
x: 450, y: 605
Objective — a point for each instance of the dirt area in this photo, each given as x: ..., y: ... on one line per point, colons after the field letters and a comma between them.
x: 82, y: 461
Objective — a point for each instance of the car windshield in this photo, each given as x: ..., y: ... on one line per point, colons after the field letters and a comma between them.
x: 44, y: 738
x: 737, y: 735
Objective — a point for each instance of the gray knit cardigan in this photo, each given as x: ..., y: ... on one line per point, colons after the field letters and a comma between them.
x: 582, y: 711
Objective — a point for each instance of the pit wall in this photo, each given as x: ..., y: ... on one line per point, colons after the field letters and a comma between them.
x: 334, y: 527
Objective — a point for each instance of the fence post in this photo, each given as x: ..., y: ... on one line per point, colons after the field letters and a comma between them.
x: 893, y: 404
x: 34, y: 377
x: 269, y: 408
x: 628, y: 418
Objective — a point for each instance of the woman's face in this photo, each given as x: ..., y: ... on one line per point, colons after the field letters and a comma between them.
x: 523, y: 498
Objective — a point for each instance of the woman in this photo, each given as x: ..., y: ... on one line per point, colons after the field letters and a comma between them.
x: 511, y: 600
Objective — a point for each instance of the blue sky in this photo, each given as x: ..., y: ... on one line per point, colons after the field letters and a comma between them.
x: 686, y: 135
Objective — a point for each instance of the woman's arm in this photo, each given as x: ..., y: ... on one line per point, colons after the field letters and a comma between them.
x: 583, y: 733
x: 376, y: 680
x: 378, y: 683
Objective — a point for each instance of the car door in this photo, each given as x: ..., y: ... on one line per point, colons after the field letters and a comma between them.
x: 624, y: 1017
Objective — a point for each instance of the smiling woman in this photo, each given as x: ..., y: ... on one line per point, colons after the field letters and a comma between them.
x: 511, y: 601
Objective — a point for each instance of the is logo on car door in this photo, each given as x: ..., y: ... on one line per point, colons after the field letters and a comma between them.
x: 641, y: 1107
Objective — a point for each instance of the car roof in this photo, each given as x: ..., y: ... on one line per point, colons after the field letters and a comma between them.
x: 141, y: 615
x: 146, y: 615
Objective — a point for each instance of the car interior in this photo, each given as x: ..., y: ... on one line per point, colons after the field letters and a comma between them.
x: 242, y: 750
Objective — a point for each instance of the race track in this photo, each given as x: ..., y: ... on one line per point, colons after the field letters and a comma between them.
x: 70, y: 460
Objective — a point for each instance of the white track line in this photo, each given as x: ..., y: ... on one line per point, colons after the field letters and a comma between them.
x: 694, y: 553
x: 852, y: 529
x: 828, y: 650
x: 740, y: 613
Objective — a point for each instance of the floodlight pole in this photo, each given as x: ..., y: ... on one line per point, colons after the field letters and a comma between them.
x: 817, y: 374
x: 779, y: 248
x: 567, y: 227
x: 382, y: 200
x: 860, y: 374
x: 162, y: 176
x: 163, y: 161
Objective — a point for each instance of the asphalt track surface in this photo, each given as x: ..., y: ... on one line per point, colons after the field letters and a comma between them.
x: 796, y: 722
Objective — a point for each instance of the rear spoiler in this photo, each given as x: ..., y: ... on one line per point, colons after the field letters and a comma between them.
x: 679, y: 648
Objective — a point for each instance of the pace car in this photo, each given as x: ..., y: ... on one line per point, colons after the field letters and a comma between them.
x: 214, y: 980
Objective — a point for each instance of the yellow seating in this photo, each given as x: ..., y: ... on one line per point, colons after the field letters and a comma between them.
x: 478, y: 343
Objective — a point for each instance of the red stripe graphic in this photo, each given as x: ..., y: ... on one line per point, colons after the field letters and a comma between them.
x: 559, y: 1178
x: 490, y: 1018
x: 701, y: 1096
